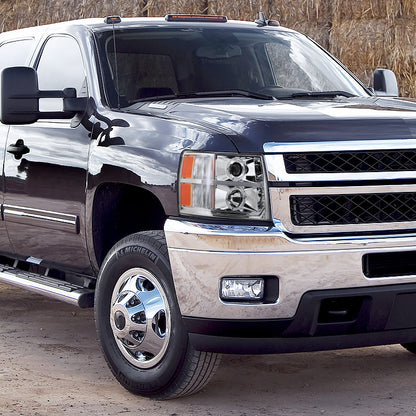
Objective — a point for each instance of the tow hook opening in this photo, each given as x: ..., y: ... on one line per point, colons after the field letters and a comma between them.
x: 340, y: 309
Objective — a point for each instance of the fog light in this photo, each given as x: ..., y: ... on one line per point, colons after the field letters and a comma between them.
x: 242, y: 289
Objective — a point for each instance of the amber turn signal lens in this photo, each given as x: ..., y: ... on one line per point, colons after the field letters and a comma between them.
x: 187, y: 166
x: 186, y: 194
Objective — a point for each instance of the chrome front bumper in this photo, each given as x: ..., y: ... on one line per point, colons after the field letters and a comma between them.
x: 201, y: 254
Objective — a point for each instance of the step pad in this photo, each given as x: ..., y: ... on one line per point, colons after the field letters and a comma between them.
x: 48, y: 286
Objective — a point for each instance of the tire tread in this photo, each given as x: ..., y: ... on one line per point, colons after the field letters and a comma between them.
x: 203, y: 367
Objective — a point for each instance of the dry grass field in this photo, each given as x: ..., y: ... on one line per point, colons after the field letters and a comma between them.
x: 363, y: 34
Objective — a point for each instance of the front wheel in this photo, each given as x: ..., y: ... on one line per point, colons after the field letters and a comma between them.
x: 139, y: 322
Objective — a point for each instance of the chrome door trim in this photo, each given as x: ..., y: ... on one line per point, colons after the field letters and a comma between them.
x: 41, y: 218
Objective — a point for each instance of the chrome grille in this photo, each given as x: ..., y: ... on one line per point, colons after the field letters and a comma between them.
x: 343, y: 186
x: 307, y: 210
x: 339, y: 162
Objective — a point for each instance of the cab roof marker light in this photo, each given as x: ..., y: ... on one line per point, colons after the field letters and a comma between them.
x: 195, y: 18
x: 273, y: 23
x: 112, y: 20
x: 262, y: 21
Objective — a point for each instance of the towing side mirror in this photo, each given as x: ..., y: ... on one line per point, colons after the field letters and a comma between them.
x: 385, y: 83
x: 20, y: 98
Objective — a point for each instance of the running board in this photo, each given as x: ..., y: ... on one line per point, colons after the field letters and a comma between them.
x: 48, y: 286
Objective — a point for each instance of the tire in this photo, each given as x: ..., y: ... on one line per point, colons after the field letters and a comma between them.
x: 139, y: 324
x: 411, y: 347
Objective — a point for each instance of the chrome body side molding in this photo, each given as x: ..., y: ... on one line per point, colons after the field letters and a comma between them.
x: 41, y: 218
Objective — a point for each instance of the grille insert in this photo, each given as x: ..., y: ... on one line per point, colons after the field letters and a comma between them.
x: 307, y: 210
x: 338, y: 162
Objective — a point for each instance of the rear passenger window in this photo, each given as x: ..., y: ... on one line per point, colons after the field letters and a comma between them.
x: 15, y: 53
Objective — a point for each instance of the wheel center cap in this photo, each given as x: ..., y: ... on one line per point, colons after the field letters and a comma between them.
x: 119, y: 320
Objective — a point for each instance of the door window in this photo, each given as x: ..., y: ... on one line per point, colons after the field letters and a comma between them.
x: 61, y: 66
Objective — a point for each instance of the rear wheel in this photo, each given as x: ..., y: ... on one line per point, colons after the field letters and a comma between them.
x: 139, y: 322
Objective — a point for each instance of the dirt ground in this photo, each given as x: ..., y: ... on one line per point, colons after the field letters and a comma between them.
x: 51, y: 364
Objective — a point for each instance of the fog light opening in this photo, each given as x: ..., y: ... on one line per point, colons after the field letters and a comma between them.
x: 242, y: 289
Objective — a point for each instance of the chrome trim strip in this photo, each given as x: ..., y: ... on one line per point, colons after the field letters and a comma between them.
x: 211, y: 237
x: 279, y: 199
x: 356, y: 238
x: 277, y: 172
x: 201, y: 254
x: 339, y: 146
x: 41, y: 218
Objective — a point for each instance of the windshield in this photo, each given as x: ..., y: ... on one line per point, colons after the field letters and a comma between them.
x: 185, y: 61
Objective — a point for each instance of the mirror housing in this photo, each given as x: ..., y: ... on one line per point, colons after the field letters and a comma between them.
x: 385, y: 83
x: 20, y: 98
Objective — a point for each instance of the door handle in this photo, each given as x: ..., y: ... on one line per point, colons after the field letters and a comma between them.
x: 18, y: 149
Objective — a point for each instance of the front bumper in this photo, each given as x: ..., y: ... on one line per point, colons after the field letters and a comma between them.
x: 325, y: 319
x: 202, y: 254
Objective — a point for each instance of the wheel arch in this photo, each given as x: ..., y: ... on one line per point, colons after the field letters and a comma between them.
x: 119, y: 210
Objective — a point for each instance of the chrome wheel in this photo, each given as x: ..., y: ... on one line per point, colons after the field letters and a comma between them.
x: 140, y: 318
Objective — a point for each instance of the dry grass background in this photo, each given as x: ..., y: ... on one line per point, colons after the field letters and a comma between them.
x: 363, y: 34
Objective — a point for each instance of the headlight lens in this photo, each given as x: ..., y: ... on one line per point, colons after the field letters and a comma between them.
x: 223, y: 186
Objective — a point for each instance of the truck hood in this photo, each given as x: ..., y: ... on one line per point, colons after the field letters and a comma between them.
x: 250, y: 123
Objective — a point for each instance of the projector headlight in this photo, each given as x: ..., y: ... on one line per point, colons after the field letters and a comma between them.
x: 223, y: 186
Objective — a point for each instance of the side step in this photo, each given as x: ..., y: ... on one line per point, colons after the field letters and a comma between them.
x: 48, y: 286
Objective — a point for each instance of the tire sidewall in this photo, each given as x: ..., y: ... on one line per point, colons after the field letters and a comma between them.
x: 139, y: 251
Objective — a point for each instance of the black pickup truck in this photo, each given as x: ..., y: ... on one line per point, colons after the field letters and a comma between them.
x: 209, y: 186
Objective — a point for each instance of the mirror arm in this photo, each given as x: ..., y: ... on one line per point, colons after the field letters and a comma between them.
x: 66, y: 93
x: 75, y: 105
x: 50, y: 94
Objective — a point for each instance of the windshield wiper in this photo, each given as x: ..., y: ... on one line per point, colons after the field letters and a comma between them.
x: 319, y: 94
x: 224, y: 93
x: 231, y: 93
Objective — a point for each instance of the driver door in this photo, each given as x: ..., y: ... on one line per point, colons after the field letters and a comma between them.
x: 44, y: 202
